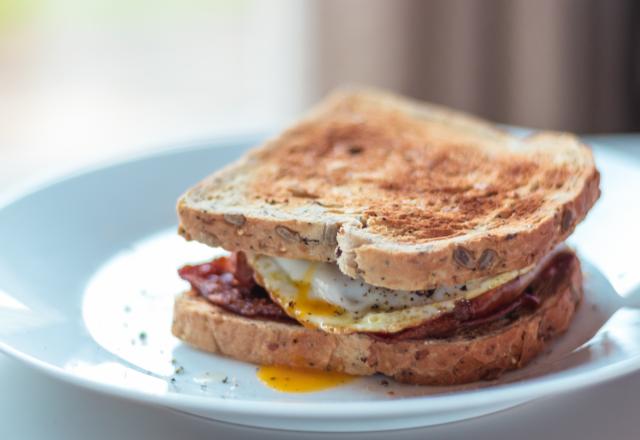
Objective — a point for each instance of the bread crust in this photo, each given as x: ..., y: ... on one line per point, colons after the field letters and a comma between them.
x: 226, y: 209
x: 482, y: 354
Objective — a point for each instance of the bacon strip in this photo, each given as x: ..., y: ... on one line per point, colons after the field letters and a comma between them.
x: 228, y: 282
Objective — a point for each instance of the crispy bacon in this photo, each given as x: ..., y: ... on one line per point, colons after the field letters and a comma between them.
x: 228, y: 282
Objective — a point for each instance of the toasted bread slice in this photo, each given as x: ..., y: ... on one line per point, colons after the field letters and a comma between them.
x: 484, y: 353
x: 400, y: 194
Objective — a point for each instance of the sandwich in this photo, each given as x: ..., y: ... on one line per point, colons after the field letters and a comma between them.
x: 379, y: 235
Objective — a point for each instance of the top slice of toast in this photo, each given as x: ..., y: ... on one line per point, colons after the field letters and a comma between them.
x: 401, y: 194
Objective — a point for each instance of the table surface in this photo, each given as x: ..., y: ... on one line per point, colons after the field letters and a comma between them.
x: 33, y: 406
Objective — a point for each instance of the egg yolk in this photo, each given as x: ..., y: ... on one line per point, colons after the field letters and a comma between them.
x: 305, y: 305
x: 300, y: 380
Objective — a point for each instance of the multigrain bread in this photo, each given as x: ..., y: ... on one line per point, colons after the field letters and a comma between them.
x: 400, y: 194
x: 482, y: 353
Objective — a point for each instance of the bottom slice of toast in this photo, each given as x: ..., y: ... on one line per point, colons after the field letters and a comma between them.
x: 482, y: 353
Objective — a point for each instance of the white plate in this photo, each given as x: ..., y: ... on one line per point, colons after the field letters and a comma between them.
x: 87, y: 279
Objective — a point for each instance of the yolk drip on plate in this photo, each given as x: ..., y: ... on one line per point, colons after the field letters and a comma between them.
x: 300, y: 380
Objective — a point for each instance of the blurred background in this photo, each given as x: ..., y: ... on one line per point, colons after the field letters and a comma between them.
x: 86, y: 80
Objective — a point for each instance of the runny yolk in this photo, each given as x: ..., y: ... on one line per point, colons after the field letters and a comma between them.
x: 300, y: 380
x: 304, y: 305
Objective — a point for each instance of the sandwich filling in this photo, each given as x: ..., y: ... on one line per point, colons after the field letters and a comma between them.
x: 318, y: 295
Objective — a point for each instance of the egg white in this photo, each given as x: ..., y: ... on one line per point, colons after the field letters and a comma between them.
x: 318, y: 295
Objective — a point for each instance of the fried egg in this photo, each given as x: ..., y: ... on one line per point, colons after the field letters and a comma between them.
x: 319, y: 295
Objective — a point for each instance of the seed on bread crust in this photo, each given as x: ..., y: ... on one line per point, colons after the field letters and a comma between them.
x: 287, y: 234
x: 463, y: 257
x: 302, y: 193
x: 235, y: 219
x: 182, y: 231
x: 329, y: 234
x: 487, y: 259
x: 567, y: 219
x: 355, y: 149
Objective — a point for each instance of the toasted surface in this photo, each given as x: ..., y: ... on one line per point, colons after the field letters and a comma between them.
x: 483, y: 353
x: 401, y: 194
